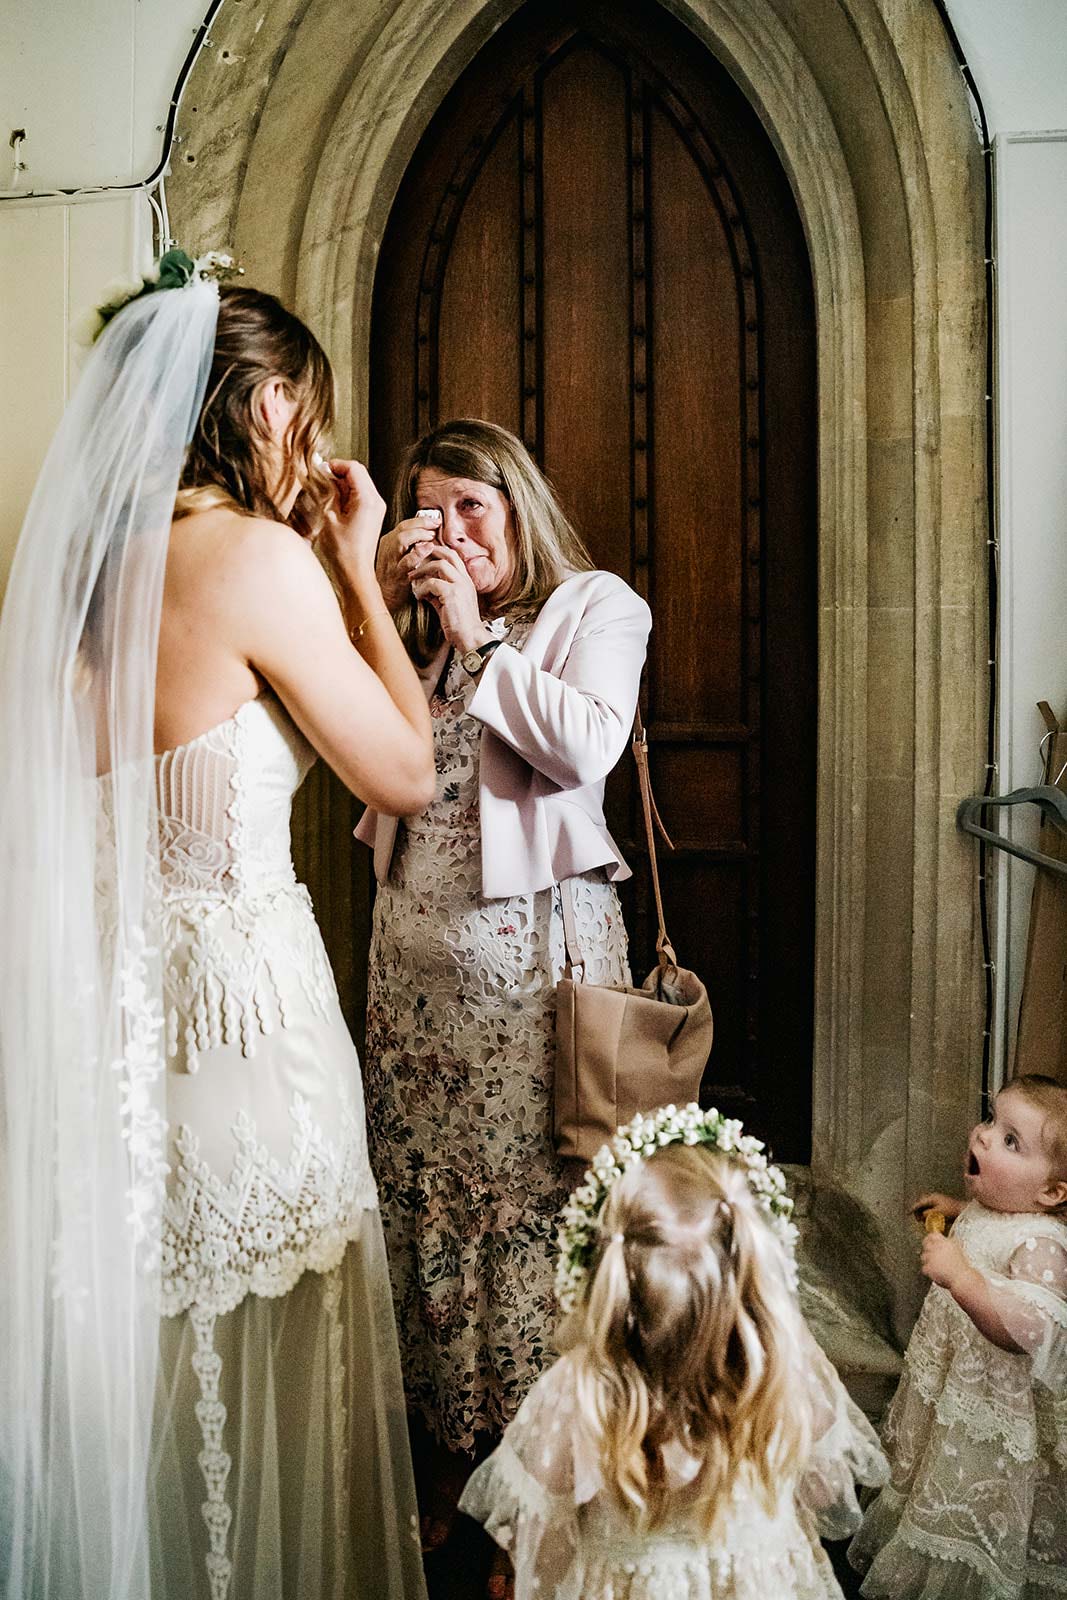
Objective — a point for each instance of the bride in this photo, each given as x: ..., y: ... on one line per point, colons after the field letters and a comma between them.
x: 201, y: 1389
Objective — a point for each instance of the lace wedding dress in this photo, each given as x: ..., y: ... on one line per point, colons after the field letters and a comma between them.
x: 977, y: 1436
x: 460, y: 1047
x: 281, y: 1456
x: 541, y: 1496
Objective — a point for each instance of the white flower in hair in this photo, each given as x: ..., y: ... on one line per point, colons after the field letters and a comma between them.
x: 173, y: 270
x: 579, y: 1228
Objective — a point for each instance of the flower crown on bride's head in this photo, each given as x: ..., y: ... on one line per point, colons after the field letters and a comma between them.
x: 173, y: 270
x: 580, y: 1229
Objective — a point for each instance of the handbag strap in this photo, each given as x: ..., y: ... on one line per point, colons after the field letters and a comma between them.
x: 650, y: 814
x: 574, y: 966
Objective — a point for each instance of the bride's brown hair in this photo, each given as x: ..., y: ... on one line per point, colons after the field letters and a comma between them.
x: 231, y: 459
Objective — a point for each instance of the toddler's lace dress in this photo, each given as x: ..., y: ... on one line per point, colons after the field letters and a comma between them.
x: 977, y: 1436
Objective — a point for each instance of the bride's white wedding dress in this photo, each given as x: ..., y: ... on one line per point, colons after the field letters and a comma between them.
x: 281, y: 1457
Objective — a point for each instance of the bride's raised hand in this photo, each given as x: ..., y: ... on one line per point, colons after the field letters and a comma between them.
x: 350, y: 536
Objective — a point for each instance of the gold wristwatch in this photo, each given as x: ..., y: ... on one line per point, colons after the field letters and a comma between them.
x: 473, y: 661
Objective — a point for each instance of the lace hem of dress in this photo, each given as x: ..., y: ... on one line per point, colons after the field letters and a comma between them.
x: 502, y: 1493
x: 259, y: 1232
x: 887, y: 1542
x: 937, y: 1548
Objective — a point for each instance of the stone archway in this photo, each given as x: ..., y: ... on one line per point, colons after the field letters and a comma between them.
x: 866, y: 107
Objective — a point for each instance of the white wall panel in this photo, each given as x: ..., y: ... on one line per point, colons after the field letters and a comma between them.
x: 90, y: 81
x: 55, y: 261
x: 33, y: 354
x: 1032, y: 502
x: 1016, y: 50
x: 67, y: 78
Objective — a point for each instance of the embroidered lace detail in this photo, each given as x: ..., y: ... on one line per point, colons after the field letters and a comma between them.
x: 331, y: 1293
x: 458, y: 1076
x: 240, y: 936
x: 213, y: 1460
x: 140, y: 1065
x: 237, y: 968
x: 144, y: 1125
x: 940, y: 1547
x: 987, y: 1392
x: 271, y: 1221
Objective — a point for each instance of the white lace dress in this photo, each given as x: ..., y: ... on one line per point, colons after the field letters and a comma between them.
x: 282, y: 1466
x: 541, y: 1496
x: 977, y: 1436
x: 458, y: 1073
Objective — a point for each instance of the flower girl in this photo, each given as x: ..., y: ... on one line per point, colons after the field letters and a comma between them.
x: 693, y: 1441
x: 977, y: 1433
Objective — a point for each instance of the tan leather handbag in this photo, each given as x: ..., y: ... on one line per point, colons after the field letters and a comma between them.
x: 620, y: 1050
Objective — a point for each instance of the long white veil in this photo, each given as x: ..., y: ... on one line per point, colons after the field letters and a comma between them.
x: 82, y: 1117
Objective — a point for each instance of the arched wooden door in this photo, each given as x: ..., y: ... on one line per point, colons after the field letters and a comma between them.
x: 595, y: 245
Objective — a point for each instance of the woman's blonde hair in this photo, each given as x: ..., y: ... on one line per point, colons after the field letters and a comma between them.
x: 546, y: 547
x: 231, y: 460
x: 689, y: 1333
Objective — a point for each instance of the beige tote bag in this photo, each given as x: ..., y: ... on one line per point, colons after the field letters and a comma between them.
x: 620, y: 1050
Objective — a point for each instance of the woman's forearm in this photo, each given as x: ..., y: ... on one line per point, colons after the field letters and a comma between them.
x: 374, y: 635
x: 574, y: 726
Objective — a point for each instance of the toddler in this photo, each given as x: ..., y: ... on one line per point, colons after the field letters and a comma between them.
x: 976, y: 1508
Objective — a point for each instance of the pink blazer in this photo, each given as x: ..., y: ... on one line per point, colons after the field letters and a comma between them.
x: 556, y: 716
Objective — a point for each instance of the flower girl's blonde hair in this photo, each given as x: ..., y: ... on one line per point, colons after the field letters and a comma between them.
x: 688, y: 1332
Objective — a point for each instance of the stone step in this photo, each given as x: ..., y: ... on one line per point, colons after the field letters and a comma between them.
x: 842, y: 1293
x: 869, y: 1365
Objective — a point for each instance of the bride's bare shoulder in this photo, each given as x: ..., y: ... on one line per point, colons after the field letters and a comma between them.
x: 222, y: 545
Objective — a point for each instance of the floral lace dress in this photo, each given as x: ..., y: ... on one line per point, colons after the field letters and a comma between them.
x: 977, y: 1436
x: 282, y: 1466
x: 541, y: 1496
x: 458, y: 1077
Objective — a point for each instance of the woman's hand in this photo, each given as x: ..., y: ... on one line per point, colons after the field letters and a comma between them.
x: 350, y: 536
x: 442, y: 579
x: 399, y: 553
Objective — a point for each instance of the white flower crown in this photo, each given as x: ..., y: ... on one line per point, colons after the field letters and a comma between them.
x: 579, y: 1230
x: 173, y: 270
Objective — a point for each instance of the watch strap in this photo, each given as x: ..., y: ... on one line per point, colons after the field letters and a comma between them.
x: 474, y: 660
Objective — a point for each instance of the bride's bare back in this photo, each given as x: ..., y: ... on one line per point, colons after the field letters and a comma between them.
x: 203, y: 675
